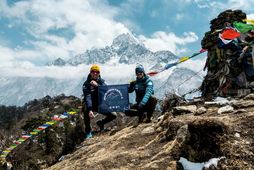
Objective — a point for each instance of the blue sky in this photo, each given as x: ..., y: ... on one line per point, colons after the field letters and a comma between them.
x: 33, y: 32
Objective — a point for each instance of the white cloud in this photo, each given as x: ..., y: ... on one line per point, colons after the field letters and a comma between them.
x: 168, y: 41
x: 13, y: 58
x: 250, y: 16
x: 203, y: 3
x: 18, y: 10
x: 240, y: 4
x: 6, y: 56
x: 245, y: 5
x: 26, y: 69
x: 91, y: 22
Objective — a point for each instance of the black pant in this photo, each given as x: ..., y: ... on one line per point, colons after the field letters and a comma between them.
x: 109, y: 117
x: 149, y: 108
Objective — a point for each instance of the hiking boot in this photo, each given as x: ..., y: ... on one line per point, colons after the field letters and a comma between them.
x: 89, y: 135
x: 141, y: 118
x: 147, y: 120
x: 100, y: 124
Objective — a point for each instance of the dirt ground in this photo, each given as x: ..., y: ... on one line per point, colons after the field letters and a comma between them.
x: 160, y: 145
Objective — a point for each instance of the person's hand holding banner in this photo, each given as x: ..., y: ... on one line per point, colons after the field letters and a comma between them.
x: 94, y: 83
x: 140, y: 106
x: 91, y: 115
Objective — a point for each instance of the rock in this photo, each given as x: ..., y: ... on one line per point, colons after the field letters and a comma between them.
x: 249, y: 97
x: 200, y: 111
x: 171, y: 100
x: 182, y: 134
x: 184, y: 109
x: 239, y: 111
x: 148, y: 130
x: 225, y: 109
x: 159, y: 129
x: 57, y: 106
x: 160, y: 118
x: 237, y: 135
x: 243, y: 103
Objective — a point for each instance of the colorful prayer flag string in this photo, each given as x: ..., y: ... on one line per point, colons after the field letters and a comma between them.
x: 23, y: 138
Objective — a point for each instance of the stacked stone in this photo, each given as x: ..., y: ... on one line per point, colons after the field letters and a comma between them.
x: 217, y: 57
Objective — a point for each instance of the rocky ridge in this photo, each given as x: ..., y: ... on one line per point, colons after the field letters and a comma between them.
x: 196, y: 131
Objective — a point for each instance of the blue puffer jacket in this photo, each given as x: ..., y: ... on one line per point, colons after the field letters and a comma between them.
x: 143, y: 88
x: 91, y: 93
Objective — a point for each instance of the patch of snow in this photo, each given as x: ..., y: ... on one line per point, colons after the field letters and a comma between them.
x: 213, y: 161
x: 221, y: 100
x: 187, y: 165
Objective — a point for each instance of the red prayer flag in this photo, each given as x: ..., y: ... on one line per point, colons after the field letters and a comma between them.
x: 230, y: 34
x: 152, y: 73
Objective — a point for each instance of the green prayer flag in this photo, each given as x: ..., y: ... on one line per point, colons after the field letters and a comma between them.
x: 13, y: 146
x: 243, y: 28
x: 36, y: 130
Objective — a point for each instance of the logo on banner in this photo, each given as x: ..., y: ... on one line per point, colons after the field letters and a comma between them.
x: 112, y: 98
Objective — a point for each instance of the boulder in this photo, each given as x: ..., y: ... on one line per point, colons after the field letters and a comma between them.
x: 243, y: 103
x: 200, y: 111
x: 184, y: 109
x: 225, y: 109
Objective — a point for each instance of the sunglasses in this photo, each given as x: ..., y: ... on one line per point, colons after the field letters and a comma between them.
x: 139, y: 73
x: 95, y: 72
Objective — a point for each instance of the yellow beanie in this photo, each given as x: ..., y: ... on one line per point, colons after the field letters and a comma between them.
x: 95, y: 68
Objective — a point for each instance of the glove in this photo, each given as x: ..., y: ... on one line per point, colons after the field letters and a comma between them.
x: 132, y: 84
x: 140, y: 106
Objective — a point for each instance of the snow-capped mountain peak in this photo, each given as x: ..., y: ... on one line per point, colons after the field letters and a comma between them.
x: 125, y: 40
x: 127, y: 49
x: 57, y: 62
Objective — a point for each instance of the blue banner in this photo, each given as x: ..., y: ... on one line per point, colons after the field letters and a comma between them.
x: 113, y: 98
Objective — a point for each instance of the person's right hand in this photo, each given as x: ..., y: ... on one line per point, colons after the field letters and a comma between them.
x: 91, y: 115
x: 94, y: 83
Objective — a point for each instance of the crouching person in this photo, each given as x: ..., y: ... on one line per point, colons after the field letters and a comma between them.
x: 145, y: 102
x: 90, y: 91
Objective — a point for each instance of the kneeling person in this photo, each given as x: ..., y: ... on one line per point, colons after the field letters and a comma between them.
x: 143, y: 87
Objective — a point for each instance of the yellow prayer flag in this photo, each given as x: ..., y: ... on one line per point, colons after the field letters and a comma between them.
x: 183, y: 59
x: 72, y: 113
x: 33, y: 133
x: 51, y: 122
x: 249, y: 21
